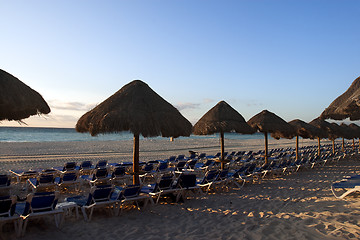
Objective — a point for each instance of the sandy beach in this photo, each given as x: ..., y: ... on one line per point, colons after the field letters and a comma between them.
x: 295, y: 206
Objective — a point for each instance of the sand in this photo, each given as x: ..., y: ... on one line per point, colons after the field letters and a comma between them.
x: 296, y: 206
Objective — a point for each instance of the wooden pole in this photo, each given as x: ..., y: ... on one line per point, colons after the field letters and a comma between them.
x: 343, y: 145
x: 353, y: 144
x: 222, y: 149
x: 333, y: 145
x: 297, y: 147
x: 319, y: 146
x: 266, y: 147
x: 136, y: 168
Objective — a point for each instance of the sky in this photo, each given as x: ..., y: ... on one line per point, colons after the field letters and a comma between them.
x: 290, y: 57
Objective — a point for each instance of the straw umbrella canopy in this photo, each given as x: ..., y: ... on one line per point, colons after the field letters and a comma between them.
x: 356, y: 130
x: 327, y: 131
x: 17, y: 100
x: 268, y: 122
x: 346, y: 133
x: 303, y: 130
x: 346, y: 105
x: 220, y: 119
x: 138, y: 109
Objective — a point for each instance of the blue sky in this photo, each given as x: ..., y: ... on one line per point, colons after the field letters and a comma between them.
x: 290, y: 57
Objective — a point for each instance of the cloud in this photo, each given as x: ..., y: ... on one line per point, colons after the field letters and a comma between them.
x: 183, y: 106
x: 73, y: 106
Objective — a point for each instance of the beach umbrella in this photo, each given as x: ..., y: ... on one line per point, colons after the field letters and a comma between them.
x: 346, y: 105
x: 303, y: 130
x: 17, y: 100
x: 268, y: 122
x: 356, y: 130
x: 220, y: 119
x: 346, y: 133
x: 138, y: 109
x: 327, y: 131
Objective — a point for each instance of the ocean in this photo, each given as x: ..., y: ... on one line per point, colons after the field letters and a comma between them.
x: 32, y: 134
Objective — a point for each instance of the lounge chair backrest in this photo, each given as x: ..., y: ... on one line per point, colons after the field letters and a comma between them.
x: 210, y: 176
x: 7, y: 206
x: 119, y: 171
x: 101, y: 164
x: 180, y: 165
x: 69, y: 176
x: 69, y: 166
x: 164, y: 183
x: 100, y: 193
x: 202, y: 155
x: 130, y: 191
x: 187, y: 180
x: 100, y: 173
x: 223, y: 174
x: 180, y: 157
x: 148, y: 167
x: 172, y: 158
x: 40, y: 202
x: 86, y: 165
x: 4, y: 180
x: 45, y: 178
x: 191, y: 163
x: 162, y: 166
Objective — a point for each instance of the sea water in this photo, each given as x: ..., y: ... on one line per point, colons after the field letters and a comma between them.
x: 32, y: 134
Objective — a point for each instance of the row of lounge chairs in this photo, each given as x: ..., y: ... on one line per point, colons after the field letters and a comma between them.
x: 173, y: 179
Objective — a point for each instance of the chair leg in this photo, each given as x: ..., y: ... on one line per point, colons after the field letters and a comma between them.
x: 23, y: 229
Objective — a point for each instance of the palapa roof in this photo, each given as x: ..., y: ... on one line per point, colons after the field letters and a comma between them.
x: 17, y: 100
x: 347, y: 132
x: 266, y: 121
x: 356, y: 130
x: 138, y: 109
x: 346, y: 105
x: 304, y: 129
x: 222, y: 118
x: 327, y: 130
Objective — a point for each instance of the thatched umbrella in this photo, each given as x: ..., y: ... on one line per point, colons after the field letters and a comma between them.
x: 138, y: 109
x: 220, y: 119
x: 267, y: 122
x: 346, y: 105
x: 17, y: 100
x: 348, y: 133
x: 327, y: 131
x: 356, y: 130
x: 303, y: 130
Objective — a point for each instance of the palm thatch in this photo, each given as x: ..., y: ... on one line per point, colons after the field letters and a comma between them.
x: 220, y: 119
x: 346, y: 131
x: 346, y: 105
x: 356, y: 130
x: 303, y: 130
x: 17, y: 100
x: 138, y: 109
x: 268, y: 122
x: 327, y: 131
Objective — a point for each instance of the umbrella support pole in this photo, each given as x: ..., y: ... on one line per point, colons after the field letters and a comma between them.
x: 319, y: 146
x: 297, y: 147
x: 353, y: 144
x: 136, y: 169
x: 222, y: 149
x: 266, y: 147
x: 333, y: 145
x: 343, y: 144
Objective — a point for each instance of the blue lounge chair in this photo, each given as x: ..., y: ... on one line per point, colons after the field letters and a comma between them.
x: 119, y: 176
x: 42, y: 182
x: 39, y: 205
x: 130, y: 195
x: 208, y: 180
x: 99, y: 176
x: 348, y: 185
x: 68, y: 179
x: 7, y: 213
x: 101, y: 164
x: 99, y: 197
x: 164, y: 187
x: 187, y: 184
x: 23, y: 175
